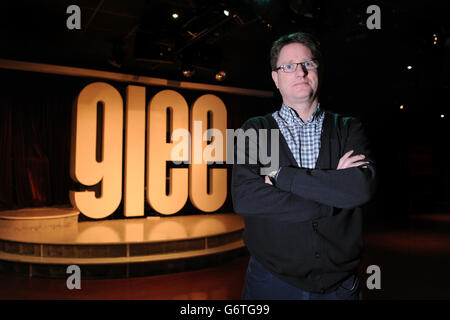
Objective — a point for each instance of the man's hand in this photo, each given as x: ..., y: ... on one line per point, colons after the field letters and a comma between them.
x: 349, y: 162
x: 267, y: 180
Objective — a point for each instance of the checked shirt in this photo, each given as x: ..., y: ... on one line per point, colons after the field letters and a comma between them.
x: 303, y: 138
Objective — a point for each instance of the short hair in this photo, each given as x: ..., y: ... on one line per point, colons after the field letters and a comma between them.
x: 304, y: 38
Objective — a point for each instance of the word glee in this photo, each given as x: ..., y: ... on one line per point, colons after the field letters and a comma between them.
x: 167, y: 112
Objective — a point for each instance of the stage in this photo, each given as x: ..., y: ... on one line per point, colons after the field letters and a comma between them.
x: 43, y: 242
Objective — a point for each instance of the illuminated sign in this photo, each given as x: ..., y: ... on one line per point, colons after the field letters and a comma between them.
x: 123, y: 159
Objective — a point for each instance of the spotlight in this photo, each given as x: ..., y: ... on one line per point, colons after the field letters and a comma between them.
x: 188, y: 72
x: 175, y: 15
x: 409, y: 67
x: 401, y: 107
x: 226, y: 12
x: 221, y: 75
x: 442, y: 116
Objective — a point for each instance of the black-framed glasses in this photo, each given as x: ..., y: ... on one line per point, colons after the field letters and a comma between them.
x: 292, y: 67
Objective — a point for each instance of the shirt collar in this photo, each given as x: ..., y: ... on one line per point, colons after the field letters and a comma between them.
x: 290, y: 116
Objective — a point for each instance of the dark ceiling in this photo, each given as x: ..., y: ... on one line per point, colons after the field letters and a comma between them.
x: 141, y: 37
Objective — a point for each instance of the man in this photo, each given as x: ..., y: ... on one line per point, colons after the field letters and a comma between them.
x: 303, y: 221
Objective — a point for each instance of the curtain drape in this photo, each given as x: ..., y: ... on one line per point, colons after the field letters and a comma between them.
x: 34, y: 137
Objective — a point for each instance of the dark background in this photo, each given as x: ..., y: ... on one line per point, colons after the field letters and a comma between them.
x: 365, y: 75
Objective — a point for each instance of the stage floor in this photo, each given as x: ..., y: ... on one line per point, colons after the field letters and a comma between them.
x: 54, y: 238
x: 131, y: 230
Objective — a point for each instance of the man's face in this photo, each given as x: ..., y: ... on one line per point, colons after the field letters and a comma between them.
x: 301, y: 85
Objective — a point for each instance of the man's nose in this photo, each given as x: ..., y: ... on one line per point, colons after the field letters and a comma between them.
x: 301, y: 71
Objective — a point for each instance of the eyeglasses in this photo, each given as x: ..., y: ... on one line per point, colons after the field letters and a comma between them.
x: 292, y: 67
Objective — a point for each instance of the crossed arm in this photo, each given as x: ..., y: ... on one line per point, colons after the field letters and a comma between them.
x: 347, y: 161
x: 350, y: 185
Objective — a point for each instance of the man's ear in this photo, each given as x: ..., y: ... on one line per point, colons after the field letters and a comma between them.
x: 275, y: 78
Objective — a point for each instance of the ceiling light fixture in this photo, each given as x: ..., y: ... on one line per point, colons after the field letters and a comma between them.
x: 188, y: 71
x: 221, y: 75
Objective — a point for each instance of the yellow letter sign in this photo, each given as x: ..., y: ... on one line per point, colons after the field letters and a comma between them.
x: 84, y: 167
x: 168, y: 121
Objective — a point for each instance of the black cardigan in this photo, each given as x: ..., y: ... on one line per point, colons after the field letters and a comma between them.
x: 308, y: 229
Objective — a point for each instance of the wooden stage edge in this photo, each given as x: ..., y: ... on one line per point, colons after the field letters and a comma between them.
x: 43, y: 242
